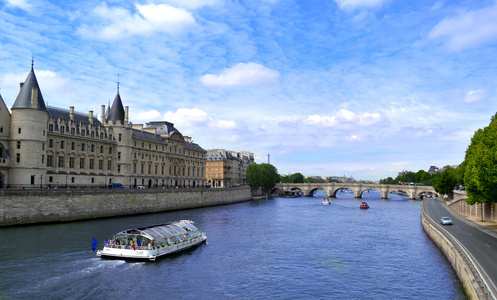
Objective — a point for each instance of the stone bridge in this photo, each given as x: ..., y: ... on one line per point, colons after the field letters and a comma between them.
x: 308, y: 189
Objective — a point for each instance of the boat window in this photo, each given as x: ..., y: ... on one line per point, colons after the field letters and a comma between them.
x: 155, y: 235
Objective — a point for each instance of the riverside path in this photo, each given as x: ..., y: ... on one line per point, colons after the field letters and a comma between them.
x: 480, y: 244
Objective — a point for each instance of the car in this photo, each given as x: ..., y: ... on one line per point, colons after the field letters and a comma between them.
x: 446, y: 221
x: 140, y: 187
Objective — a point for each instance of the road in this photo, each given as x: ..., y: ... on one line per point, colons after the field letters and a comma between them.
x: 481, y: 245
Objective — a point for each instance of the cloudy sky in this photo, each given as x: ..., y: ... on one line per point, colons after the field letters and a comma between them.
x: 363, y: 88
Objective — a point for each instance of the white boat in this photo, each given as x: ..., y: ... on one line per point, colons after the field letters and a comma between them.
x: 326, y: 201
x: 150, y: 242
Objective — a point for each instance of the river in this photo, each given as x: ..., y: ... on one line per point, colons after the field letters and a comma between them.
x: 284, y: 248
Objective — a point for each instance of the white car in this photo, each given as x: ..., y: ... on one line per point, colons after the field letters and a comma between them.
x: 140, y: 187
x: 446, y: 221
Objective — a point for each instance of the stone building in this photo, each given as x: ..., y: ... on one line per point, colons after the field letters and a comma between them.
x: 44, y: 146
x: 226, y: 168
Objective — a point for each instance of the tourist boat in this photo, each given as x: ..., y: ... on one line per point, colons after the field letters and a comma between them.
x: 326, y: 201
x: 148, y: 243
x: 364, y: 205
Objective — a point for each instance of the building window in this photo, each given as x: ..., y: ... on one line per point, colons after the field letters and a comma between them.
x: 134, y: 168
x: 118, y: 156
x: 118, y: 168
x: 100, y: 164
x: 149, y: 146
x: 155, y: 169
x: 92, y: 162
x: 73, y: 145
x: 72, y: 131
x: 83, y: 146
x: 71, y: 162
x: 43, y: 147
x: 50, y: 143
x: 49, y: 160
x: 42, y: 159
x: 72, y: 179
x: 120, y: 136
x: 149, y: 169
x: 61, y: 144
x: 92, y: 180
x: 50, y: 179
x: 18, y: 145
x: 83, y: 132
x: 1, y: 129
x: 92, y: 148
x: 101, y: 149
x: 61, y: 161
x: 62, y: 129
x: 110, y: 150
x: 109, y: 165
x: 81, y: 163
x: 18, y: 157
x: 142, y: 168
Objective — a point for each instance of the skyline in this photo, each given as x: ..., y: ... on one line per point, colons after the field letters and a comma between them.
x: 361, y: 88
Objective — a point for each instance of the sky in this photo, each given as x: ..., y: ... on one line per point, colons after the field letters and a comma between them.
x: 361, y: 88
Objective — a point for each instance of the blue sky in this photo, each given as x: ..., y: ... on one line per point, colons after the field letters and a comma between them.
x: 363, y: 88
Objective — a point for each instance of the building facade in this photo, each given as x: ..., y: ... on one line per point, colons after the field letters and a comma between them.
x: 226, y: 168
x: 44, y: 146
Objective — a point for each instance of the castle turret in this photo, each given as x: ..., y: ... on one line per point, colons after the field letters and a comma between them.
x: 28, y: 134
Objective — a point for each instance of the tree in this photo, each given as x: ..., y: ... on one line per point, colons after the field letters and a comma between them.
x: 263, y: 175
x: 445, y: 182
x: 254, y: 177
x: 480, y: 166
x: 297, y: 178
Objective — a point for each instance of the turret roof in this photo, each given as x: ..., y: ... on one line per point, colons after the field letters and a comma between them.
x: 117, y: 110
x: 24, y: 98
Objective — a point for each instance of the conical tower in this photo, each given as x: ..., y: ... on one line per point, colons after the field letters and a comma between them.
x: 28, y: 135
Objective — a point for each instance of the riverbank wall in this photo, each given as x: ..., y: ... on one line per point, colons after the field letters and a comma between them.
x: 489, y: 212
x: 471, y: 279
x: 24, y: 207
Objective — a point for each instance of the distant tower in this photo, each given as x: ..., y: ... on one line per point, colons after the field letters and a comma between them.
x: 268, y: 159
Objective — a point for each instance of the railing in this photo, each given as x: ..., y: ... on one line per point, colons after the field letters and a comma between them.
x: 477, y: 271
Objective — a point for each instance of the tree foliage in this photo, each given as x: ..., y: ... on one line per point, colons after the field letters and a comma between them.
x: 297, y: 178
x: 480, y: 165
x: 263, y: 176
x: 445, y: 182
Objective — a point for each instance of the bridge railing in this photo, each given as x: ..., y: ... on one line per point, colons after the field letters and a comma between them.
x: 488, y: 290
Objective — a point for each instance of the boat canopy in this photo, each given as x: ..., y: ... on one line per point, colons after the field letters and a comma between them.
x: 161, y: 231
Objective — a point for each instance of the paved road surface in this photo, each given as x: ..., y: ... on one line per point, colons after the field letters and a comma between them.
x: 480, y: 244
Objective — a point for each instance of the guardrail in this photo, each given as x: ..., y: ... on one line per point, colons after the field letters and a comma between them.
x: 489, y: 290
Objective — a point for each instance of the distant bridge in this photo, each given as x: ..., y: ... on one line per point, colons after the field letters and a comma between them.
x: 308, y: 189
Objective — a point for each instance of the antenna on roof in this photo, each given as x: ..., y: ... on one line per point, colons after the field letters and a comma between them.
x: 32, y: 61
x: 118, y: 83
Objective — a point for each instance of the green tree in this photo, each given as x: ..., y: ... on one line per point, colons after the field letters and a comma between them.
x: 263, y: 176
x: 297, y: 178
x: 254, y: 178
x: 445, y: 182
x: 480, y: 166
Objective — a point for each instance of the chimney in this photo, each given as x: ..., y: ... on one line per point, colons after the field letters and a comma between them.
x: 126, y: 114
x: 34, y: 97
x: 90, y: 117
x: 102, y: 114
x: 71, y: 113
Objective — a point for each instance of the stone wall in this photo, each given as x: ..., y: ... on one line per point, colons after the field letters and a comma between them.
x: 42, y: 206
x: 489, y: 209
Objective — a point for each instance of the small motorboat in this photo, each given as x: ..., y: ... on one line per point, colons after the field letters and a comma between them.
x: 326, y: 201
x: 364, y: 205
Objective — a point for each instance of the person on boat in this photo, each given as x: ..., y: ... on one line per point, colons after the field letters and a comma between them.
x: 149, y: 246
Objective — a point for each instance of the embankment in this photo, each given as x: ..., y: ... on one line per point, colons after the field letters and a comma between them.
x: 465, y: 267
x: 21, y: 207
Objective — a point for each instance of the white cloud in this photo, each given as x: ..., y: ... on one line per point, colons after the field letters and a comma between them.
x: 343, y: 118
x: 150, y: 18
x: 146, y: 116
x: 474, y: 96
x: 355, y: 4
x: 242, y: 74
x: 468, y: 30
x: 22, y: 4
x: 50, y: 82
x: 192, y: 120
x: 193, y: 4
x: 353, y: 138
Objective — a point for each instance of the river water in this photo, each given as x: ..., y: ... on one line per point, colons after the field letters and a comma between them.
x: 284, y: 248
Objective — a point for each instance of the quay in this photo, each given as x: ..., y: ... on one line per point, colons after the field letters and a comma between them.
x: 470, y: 248
x: 22, y: 207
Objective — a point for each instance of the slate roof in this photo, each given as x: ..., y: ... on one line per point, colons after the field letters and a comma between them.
x: 60, y: 113
x: 23, y: 99
x: 163, y: 127
x: 116, y: 112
